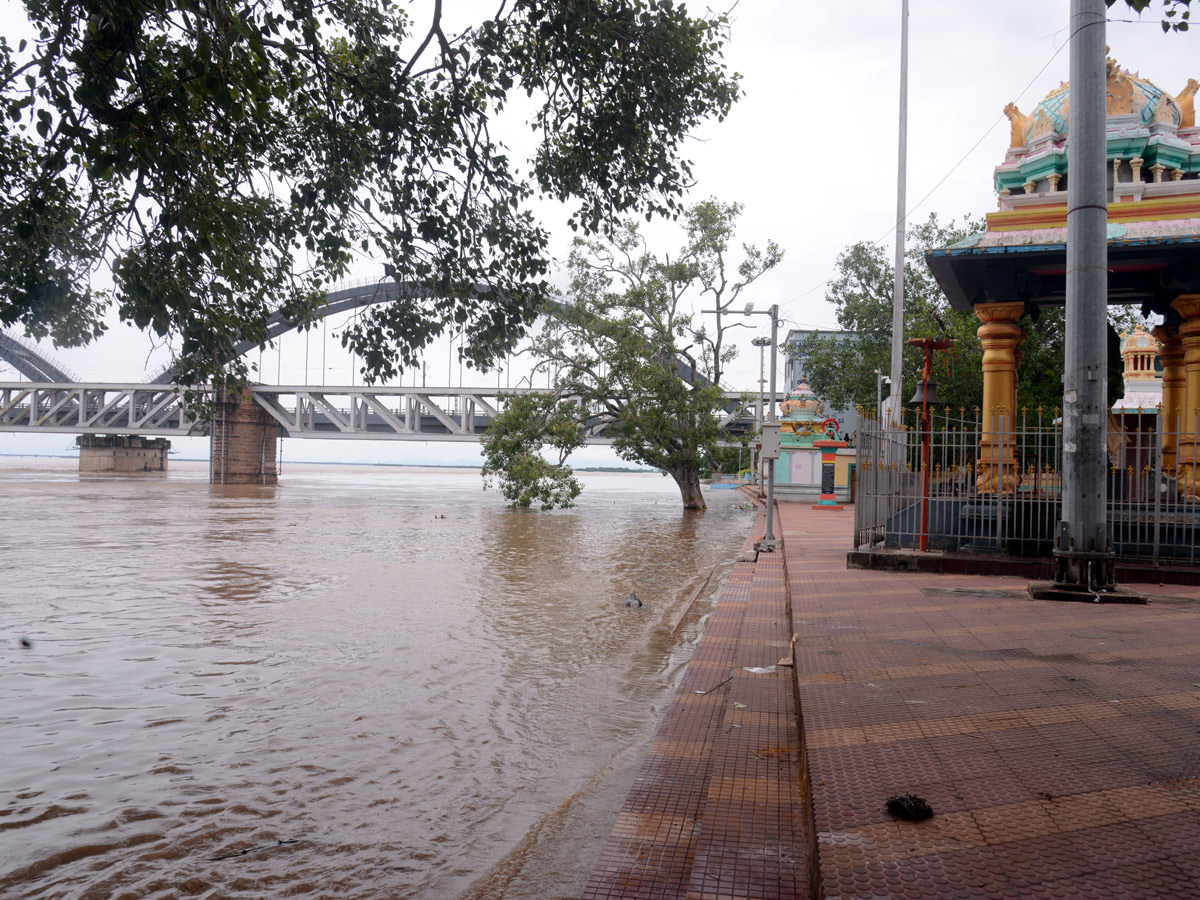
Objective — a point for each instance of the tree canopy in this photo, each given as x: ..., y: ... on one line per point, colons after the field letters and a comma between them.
x: 1175, y: 13
x: 616, y: 345
x: 227, y: 160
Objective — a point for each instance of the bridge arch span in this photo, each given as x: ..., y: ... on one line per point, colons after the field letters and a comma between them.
x: 339, y: 300
x: 37, y: 366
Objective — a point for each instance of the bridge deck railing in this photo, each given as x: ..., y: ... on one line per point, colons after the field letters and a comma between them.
x: 389, y: 412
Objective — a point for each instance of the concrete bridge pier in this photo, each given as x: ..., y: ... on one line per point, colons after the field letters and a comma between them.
x: 122, y: 453
x: 243, y: 447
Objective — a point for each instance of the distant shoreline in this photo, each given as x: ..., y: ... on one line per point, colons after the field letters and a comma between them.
x: 320, y: 462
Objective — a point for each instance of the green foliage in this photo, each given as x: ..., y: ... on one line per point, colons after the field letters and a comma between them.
x: 843, y: 373
x: 512, y: 450
x: 226, y: 160
x: 706, y: 262
x: 621, y: 335
x: 1175, y: 12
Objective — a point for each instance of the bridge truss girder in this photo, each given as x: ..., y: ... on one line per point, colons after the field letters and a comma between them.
x: 302, y: 411
x: 67, y: 408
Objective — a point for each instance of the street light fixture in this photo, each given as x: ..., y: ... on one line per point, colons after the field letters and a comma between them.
x: 768, y: 541
x: 880, y: 381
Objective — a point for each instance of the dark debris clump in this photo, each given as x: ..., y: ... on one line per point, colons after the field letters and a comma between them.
x: 909, y: 807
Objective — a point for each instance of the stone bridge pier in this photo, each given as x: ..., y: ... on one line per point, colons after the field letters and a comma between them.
x: 122, y: 453
x: 244, y: 442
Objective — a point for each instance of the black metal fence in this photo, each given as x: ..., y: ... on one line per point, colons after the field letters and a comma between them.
x: 958, y: 487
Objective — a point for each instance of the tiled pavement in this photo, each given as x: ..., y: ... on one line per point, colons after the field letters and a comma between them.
x: 1058, y: 743
x: 716, y: 811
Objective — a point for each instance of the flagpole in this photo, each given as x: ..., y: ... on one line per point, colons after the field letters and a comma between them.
x: 894, y: 401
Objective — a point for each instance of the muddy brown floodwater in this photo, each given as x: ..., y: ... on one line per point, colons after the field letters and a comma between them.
x: 365, y: 683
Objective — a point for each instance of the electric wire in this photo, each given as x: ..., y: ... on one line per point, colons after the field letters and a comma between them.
x: 975, y: 146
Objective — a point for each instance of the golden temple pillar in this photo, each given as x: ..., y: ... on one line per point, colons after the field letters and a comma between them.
x: 1188, y: 307
x: 1174, y: 392
x: 1000, y: 335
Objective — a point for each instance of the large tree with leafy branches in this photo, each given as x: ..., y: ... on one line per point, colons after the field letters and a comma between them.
x: 1175, y: 13
x: 627, y: 353
x: 227, y: 159
x: 842, y: 370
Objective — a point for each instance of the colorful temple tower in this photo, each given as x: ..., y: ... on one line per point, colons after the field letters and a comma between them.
x: 1018, y: 263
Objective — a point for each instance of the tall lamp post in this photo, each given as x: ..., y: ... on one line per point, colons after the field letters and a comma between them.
x: 768, y: 541
x: 771, y: 426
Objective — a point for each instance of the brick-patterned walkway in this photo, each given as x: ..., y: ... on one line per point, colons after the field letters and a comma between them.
x: 716, y: 811
x: 1058, y: 743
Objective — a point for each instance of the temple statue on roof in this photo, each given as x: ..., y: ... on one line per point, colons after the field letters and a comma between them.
x: 1149, y: 131
x: 1018, y: 263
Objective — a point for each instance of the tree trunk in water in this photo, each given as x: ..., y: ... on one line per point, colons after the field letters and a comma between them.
x: 688, y: 480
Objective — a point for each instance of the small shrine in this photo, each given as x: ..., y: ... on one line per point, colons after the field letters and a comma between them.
x: 1143, y: 382
x: 803, y: 423
x: 803, y: 420
x: 1134, y: 418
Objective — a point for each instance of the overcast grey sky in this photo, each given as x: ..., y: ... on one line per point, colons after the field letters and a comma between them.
x: 810, y: 150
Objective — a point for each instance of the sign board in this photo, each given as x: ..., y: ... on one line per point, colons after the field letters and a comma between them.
x: 769, y: 441
x: 827, y: 479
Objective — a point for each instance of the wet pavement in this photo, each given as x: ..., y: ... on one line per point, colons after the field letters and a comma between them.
x: 1058, y: 744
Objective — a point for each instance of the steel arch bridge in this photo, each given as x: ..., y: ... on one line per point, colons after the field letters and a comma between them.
x: 37, y: 366
x: 55, y: 400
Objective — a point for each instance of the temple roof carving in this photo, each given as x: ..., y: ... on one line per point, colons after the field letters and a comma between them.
x: 1147, y: 127
x: 1128, y: 95
x: 1153, y: 197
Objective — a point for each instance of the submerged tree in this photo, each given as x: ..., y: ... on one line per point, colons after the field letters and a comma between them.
x: 226, y: 160
x: 623, y: 345
x: 512, y: 450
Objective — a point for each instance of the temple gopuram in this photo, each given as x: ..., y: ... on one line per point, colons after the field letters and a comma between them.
x: 995, y: 484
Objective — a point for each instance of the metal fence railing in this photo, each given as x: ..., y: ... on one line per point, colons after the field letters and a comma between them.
x: 960, y: 487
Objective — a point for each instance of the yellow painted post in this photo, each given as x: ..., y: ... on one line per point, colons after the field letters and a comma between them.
x: 1000, y: 335
x: 1188, y: 307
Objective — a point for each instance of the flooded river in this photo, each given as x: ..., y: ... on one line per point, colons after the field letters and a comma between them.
x: 368, y: 682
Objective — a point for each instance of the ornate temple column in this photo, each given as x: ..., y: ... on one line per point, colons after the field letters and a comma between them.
x: 1174, y: 392
x: 1000, y: 335
x: 1188, y: 307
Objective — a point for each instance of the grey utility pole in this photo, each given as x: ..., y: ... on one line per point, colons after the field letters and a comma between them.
x: 1083, y: 554
x: 901, y: 215
x: 760, y: 343
x: 768, y: 542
